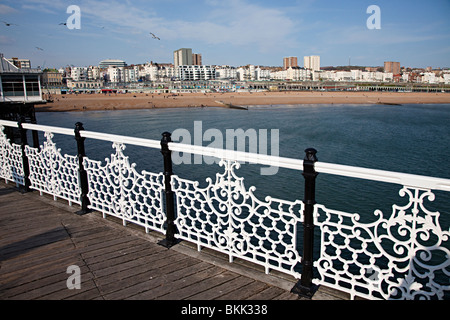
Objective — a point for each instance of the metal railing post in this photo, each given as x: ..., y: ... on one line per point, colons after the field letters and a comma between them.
x: 170, y: 239
x: 26, y: 165
x: 304, y: 286
x: 82, y: 174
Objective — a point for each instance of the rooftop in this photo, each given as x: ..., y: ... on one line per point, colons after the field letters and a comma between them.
x: 7, y: 67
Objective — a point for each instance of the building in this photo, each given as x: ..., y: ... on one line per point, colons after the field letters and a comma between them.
x: 192, y: 73
x: 225, y: 72
x: 111, y: 63
x: 196, y: 59
x: 289, y: 62
x: 312, y: 63
x: 392, y: 67
x: 85, y: 84
x: 20, y: 63
x: 79, y: 73
x: 182, y: 57
x: 115, y: 74
x: 51, y: 78
x: 20, y: 90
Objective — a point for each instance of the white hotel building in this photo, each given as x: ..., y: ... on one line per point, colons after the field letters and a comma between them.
x: 191, y: 72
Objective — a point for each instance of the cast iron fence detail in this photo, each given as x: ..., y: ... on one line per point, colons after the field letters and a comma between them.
x: 400, y: 255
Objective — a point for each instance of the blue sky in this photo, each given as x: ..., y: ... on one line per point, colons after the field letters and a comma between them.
x: 234, y: 32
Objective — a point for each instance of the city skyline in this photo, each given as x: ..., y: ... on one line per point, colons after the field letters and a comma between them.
x: 236, y: 32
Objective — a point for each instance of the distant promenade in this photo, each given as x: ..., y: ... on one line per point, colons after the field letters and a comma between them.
x: 119, y: 101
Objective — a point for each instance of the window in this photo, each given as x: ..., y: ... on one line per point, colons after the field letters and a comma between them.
x: 32, y: 85
x: 12, y: 86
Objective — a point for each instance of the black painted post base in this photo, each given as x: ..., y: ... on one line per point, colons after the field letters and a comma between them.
x: 83, y: 212
x: 168, y: 244
x: 303, y: 291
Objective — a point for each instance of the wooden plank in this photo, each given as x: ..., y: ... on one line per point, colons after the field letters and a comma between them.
x: 267, y: 294
x: 225, y: 288
x: 243, y: 293
x: 38, y: 241
x: 199, y: 282
x: 170, y: 281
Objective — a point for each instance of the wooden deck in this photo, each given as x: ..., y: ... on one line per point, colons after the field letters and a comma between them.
x: 40, y: 238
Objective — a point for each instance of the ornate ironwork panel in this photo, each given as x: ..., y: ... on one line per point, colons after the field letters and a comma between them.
x: 402, y: 256
x: 117, y: 189
x: 227, y: 217
x: 11, y: 165
x: 53, y: 173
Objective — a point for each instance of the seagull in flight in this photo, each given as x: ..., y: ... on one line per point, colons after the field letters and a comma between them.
x: 9, y: 24
x: 39, y: 48
x: 63, y: 23
x: 154, y: 37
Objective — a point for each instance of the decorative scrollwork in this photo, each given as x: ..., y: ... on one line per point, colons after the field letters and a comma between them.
x: 227, y: 217
x: 11, y: 165
x: 53, y: 173
x: 403, y: 256
x: 117, y: 189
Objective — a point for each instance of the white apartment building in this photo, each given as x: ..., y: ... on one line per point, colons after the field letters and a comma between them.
x: 446, y: 77
x: 194, y: 72
x: 93, y: 73
x: 429, y: 77
x: 150, y: 72
x: 130, y: 74
x: 78, y: 73
x: 115, y: 74
x: 166, y: 72
x: 225, y: 72
x: 311, y: 62
x: 292, y: 73
x: 182, y: 57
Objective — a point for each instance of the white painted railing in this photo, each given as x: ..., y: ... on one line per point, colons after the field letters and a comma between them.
x: 396, y: 256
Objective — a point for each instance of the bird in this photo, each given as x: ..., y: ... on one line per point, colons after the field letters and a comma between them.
x: 39, y: 48
x: 154, y: 37
x: 63, y: 23
x: 9, y: 24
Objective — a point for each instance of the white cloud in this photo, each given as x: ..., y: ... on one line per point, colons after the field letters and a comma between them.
x: 4, y: 9
x: 234, y: 22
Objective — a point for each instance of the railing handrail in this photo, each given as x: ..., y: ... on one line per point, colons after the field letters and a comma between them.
x: 256, y: 158
x: 405, y: 179
x: 149, y: 143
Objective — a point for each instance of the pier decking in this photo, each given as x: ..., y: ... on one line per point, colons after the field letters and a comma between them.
x: 40, y: 238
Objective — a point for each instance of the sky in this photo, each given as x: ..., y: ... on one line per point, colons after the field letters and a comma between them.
x: 227, y: 32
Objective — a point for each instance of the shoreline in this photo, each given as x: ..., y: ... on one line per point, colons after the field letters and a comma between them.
x: 233, y: 100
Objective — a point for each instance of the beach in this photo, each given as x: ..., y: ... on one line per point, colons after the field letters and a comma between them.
x: 121, y: 101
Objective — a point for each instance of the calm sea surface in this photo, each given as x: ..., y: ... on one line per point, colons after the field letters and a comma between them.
x: 409, y: 138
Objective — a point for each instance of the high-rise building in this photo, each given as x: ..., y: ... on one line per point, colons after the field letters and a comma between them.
x: 392, y: 67
x: 182, y: 57
x: 196, y: 59
x: 289, y: 62
x: 312, y: 63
